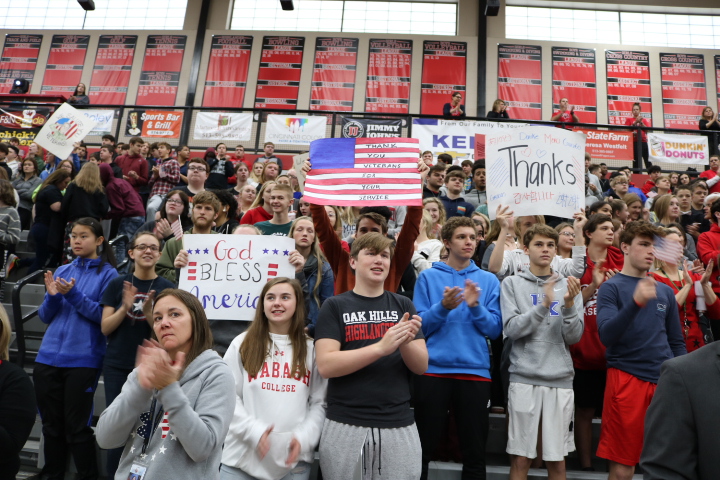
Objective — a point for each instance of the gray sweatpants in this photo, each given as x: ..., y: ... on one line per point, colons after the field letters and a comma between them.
x: 388, y: 453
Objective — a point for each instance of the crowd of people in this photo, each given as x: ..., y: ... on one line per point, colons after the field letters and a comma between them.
x: 551, y: 321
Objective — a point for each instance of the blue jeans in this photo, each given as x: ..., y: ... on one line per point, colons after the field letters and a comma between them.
x: 300, y: 472
x: 127, y: 226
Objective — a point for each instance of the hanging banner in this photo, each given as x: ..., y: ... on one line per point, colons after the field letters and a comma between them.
x: 388, y: 77
x: 111, y: 73
x: 520, y: 80
x: 334, y: 68
x: 278, y: 80
x: 294, y: 130
x: 683, y: 89
x: 574, y: 78
x: 717, y: 79
x: 103, y: 121
x: 223, y: 126
x: 628, y: 82
x: 19, y: 59
x: 227, y: 272
x: 607, y: 144
x: 227, y: 72
x: 370, y: 127
x: 443, y: 73
x: 536, y: 170
x: 154, y: 123
x: 65, y: 64
x: 22, y: 124
x: 63, y: 129
x: 686, y: 149
x: 161, y: 68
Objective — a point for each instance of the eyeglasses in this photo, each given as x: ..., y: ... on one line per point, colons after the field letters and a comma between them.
x: 143, y: 247
x: 568, y: 234
x: 176, y: 202
x: 197, y: 169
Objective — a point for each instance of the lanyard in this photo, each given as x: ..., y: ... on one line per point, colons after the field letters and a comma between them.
x: 155, y: 424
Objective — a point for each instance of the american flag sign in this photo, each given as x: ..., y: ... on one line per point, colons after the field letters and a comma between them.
x: 364, y: 172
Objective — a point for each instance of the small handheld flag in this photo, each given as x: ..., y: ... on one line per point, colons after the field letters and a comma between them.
x: 667, y: 250
x: 176, y: 228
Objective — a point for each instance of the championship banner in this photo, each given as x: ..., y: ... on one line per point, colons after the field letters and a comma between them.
x: 370, y: 127
x: 22, y: 124
x: 278, y: 80
x: 228, y: 272
x: 334, y: 68
x: 608, y: 144
x: 574, y: 78
x: 65, y: 127
x: 686, y: 149
x: 161, y: 68
x: 628, y: 81
x: 364, y: 172
x: 443, y: 73
x: 456, y: 138
x: 717, y: 78
x: 294, y: 129
x: 230, y: 127
x: 111, y: 73
x: 683, y: 89
x: 103, y: 121
x: 227, y: 71
x: 154, y: 123
x: 65, y: 64
x: 388, y: 77
x: 520, y: 80
x: 536, y: 170
x: 19, y: 59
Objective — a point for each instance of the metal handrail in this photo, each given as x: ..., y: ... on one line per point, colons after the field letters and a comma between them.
x: 127, y: 242
x: 18, y: 318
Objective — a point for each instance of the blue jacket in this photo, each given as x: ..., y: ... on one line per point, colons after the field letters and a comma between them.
x: 50, y: 168
x: 325, y: 291
x: 456, y: 339
x: 73, y: 337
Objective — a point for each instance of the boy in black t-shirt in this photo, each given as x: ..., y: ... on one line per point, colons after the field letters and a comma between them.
x: 367, y: 342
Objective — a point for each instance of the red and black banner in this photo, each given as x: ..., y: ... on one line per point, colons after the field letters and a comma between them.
x: 683, y: 89
x: 278, y: 80
x: 111, y: 73
x: 717, y: 78
x: 160, y: 75
x: 65, y: 64
x: 227, y: 72
x: 574, y: 78
x: 520, y: 80
x: 388, y: 78
x: 628, y: 82
x: 334, y: 68
x: 19, y: 59
x: 444, y: 72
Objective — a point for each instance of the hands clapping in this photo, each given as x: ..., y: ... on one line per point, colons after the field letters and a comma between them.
x: 155, y: 369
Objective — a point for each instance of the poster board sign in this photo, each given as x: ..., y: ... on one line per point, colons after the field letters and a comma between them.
x: 536, y: 170
x: 520, y: 80
x: 686, y: 149
x: 278, y: 79
x: 160, y: 75
x: 573, y: 71
x: 334, y: 69
x: 294, y: 129
x: 154, y: 123
x: 444, y: 72
x: 628, y: 81
x: 227, y: 272
x: 608, y: 144
x: 111, y: 73
x: 370, y: 127
x: 223, y: 126
x: 19, y: 59
x: 388, y: 77
x: 683, y: 89
x: 227, y: 71
x: 65, y: 127
x: 65, y: 64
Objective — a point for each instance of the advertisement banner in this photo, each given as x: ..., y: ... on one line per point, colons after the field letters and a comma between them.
x: 65, y: 127
x: 103, y: 121
x: 687, y: 149
x: 160, y: 75
x: 227, y: 71
x: 388, y: 77
x: 370, y: 127
x: 520, y: 80
x: 628, y: 81
x: 65, y: 64
x: 227, y: 272
x: 278, y: 80
x: 223, y: 126
x: 443, y: 73
x: 154, y: 123
x: 111, y: 73
x: 574, y: 78
x: 455, y: 137
x: 683, y: 89
x: 535, y: 170
x: 19, y: 59
x: 607, y: 144
x: 334, y: 68
x: 22, y: 124
x: 717, y: 79
x: 294, y: 129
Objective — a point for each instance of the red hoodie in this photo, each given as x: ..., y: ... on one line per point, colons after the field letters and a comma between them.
x: 589, y: 352
x: 708, y: 248
x: 124, y: 200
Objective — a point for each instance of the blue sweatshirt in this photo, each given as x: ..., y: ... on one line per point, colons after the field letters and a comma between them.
x: 455, y: 338
x: 638, y: 340
x: 73, y: 337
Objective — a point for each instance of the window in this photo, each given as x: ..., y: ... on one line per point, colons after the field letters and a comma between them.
x: 108, y: 15
x: 347, y: 16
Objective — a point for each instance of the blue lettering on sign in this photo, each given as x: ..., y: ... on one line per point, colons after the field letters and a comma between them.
x: 459, y: 142
x: 453, y: 141
x: 440, y: 141
x: 554, y: 312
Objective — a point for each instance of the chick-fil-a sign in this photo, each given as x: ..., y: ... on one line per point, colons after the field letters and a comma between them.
x: 227, y: 272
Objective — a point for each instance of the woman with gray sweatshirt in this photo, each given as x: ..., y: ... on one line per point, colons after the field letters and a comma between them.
x: 175, y: 409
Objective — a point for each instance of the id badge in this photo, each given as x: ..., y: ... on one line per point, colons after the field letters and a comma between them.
x: 137, y: 471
